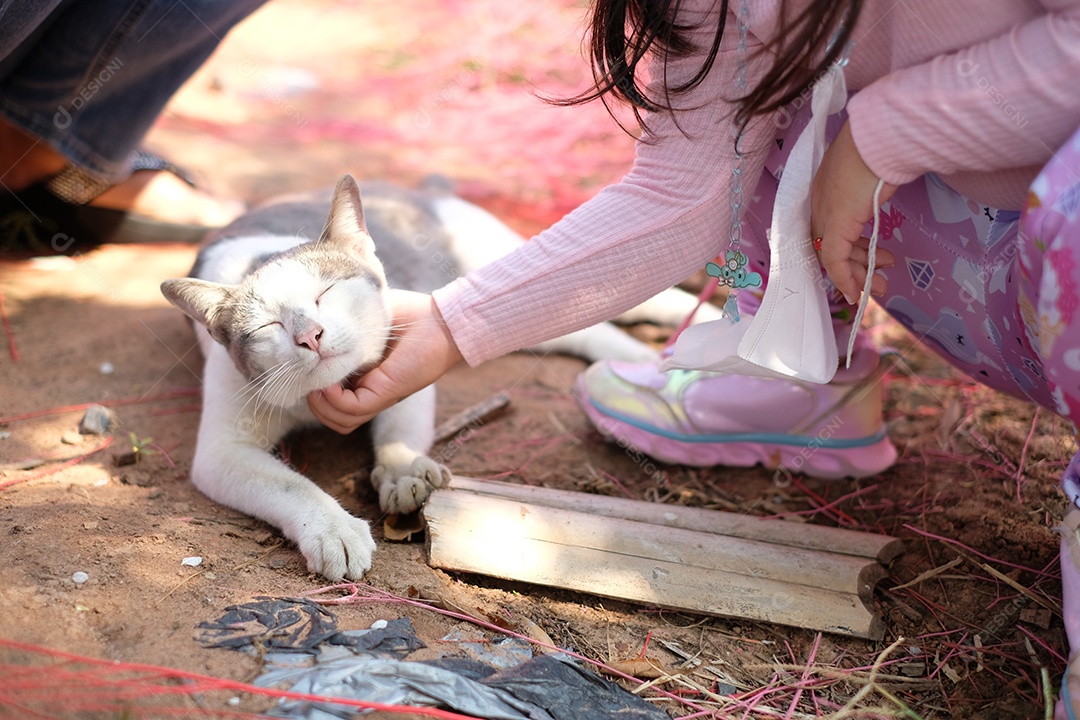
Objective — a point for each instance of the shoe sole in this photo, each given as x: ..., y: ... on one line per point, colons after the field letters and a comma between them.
x: 819, y: 456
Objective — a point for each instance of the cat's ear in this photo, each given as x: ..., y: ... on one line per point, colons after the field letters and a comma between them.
x: 200, y: 300
x: 345, y: 223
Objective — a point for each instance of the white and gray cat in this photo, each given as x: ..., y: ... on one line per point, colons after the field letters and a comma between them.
x: 282, y: 309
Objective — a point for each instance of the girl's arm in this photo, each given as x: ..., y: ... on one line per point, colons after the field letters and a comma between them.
x: 999, y: 106
x: 667, y: 218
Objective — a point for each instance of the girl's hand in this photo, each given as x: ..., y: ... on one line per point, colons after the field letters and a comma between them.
x: 421, y: 351
x: 841, y: 203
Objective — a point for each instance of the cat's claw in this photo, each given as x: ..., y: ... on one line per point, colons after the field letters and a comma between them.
x: 341, y: 550
x: 404, y: 489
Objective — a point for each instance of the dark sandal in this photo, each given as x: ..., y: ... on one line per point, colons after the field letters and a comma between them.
x: 52, y: 216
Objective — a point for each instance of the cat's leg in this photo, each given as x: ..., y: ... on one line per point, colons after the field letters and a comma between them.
x: 605, y: 341
x: 602, y: 341
x: 247, y: 478
x: 233, y: 466
x: 670, y: 307
x: 404, y: 475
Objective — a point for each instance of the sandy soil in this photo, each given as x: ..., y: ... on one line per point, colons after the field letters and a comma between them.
x: 976, y: 479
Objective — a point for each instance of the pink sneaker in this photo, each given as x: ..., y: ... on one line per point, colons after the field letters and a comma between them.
x: 690, y: 417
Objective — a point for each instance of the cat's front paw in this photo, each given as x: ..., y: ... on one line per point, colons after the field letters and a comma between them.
x: 404, y: 488
x: 340, y: 547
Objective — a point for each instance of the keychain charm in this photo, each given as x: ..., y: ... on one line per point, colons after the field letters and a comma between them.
x: 734, y: 276
x: 733, y: 272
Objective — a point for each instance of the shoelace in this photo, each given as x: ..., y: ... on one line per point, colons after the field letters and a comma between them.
x: 871, y: 253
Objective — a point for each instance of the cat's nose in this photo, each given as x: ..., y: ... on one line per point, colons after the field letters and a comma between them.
x: 309, y: 337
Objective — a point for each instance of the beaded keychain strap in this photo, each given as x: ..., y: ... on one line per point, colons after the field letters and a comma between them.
x: 733, y: 273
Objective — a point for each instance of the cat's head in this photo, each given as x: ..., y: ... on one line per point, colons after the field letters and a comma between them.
x: 307, y: 318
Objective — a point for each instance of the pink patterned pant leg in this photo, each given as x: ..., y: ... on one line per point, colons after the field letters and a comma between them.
x: 1050, y: 261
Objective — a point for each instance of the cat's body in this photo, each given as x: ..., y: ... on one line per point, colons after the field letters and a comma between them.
x: 287, y: 301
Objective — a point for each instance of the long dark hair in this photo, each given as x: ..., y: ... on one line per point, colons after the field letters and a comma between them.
x: 623, y: 34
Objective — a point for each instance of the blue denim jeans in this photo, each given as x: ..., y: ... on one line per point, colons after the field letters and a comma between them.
x: 89, y: 78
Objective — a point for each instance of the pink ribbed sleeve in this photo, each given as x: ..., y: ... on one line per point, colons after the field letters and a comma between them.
x: 999, y: 105
x: 668, y: 217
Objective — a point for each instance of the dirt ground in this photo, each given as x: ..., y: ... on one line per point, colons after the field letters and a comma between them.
x: 304, y: 91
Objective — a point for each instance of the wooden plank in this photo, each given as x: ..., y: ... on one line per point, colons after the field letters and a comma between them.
x: 811, y: 537
x: 733, y: 555
x: 657, y: 565
x: 828, y: 571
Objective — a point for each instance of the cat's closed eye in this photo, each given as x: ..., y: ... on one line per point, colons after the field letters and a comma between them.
x: 320, y: 297
x: 269, y: 325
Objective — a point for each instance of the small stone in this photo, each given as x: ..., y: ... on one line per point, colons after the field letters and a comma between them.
x: 91, y: 525
x: 209, y: 575
x: 378, y: 625
x: 79, y: 578
x: 156, y: 494
x: 910, y: 669
x: 124, y: 459
x: 193, y: 561
x: 98, y: 420
x: 5, y: 434
x: 71, y: 438
x: 106, y: 368
x: 1036, y: 616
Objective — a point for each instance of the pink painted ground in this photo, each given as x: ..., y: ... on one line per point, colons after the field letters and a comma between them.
x: 305, y: 91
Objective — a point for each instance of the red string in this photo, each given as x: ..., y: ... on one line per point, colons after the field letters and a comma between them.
x: 171, y: 395
x: 57, y: 468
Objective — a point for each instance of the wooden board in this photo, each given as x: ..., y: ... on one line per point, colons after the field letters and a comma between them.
x: 665, y: 565
x: 836, y: 540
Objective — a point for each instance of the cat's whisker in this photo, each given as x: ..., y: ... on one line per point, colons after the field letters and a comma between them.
x: 283, y: 391
x: 254, y: 393
x: 403, y: 326
x: 252, y: 385
x: 276, y: 390
x: 265, y: 394
x: 268, y: 378
x: 411, y: 340
x: 288, y: 386
x: 367, y: 317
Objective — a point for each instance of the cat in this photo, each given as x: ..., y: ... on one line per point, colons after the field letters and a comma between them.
x: 282, y: 309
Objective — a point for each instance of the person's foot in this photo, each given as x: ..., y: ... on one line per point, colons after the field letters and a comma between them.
x: 690, y: 417
x: 157, y: 195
